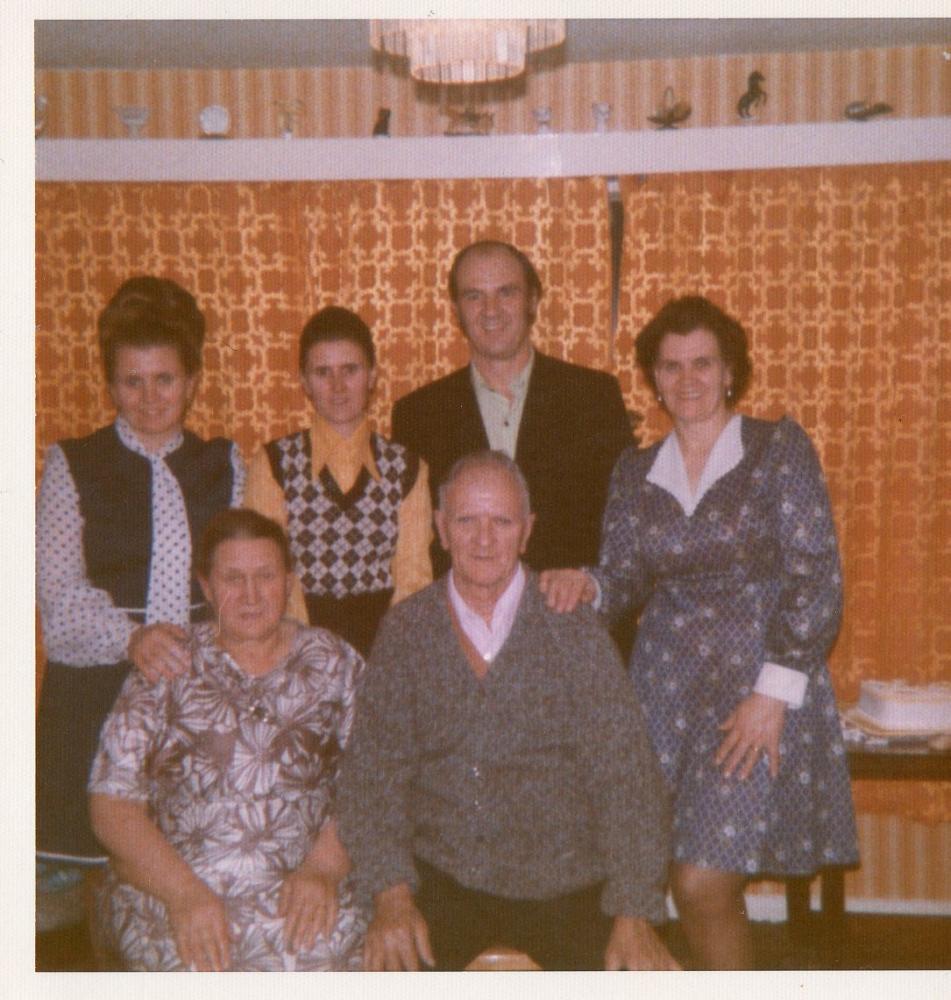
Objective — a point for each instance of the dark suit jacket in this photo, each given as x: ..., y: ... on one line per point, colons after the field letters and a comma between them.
x: 574, y: 426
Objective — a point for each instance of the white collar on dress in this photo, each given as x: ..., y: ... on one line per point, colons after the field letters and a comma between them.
x: 670, y: 473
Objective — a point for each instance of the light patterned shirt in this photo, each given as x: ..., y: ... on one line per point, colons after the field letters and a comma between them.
x: 501, y: 414
x: 670, y: 473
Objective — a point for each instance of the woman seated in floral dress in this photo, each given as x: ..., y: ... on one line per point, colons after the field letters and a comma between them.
x: 214, y: 790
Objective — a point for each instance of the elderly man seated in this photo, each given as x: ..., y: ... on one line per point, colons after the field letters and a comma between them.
x: 499, y: 787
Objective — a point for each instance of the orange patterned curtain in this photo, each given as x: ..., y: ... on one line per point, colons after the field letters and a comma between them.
x: 842, y: 277
x: 261, y: 258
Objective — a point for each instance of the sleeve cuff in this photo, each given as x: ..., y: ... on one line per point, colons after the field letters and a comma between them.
x: 370, y: 884
x: 596, y: 603
x: 124, y: 633
x: 645, y: 902
x: 783, y: 683
x: 239, y: 476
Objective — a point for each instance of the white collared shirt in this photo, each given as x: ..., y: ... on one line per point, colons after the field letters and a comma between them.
x: 488, y: 639
x: 169, y: 586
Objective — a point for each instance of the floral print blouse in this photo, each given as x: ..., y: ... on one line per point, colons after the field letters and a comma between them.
x: 238, y: 773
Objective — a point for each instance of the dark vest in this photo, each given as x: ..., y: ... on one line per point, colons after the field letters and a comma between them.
x: 115, y: 500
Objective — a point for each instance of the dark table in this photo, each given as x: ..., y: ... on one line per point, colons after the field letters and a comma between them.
x: 898, y: 760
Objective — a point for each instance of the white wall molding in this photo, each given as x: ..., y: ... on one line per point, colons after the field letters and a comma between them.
x: 744, y: 147
x: 771, y: 907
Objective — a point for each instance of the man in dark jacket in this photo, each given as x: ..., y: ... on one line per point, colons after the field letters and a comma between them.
x: 565, y: 425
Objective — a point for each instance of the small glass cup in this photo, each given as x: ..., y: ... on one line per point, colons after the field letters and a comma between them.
x: 134, y: 118
x: 602, y: 112
x: 542, y: 118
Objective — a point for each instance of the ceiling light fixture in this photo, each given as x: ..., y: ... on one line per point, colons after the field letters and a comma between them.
x: 465, y: 51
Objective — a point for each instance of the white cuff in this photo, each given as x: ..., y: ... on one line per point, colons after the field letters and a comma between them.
x: 783, y: 683
x: 596, y: 603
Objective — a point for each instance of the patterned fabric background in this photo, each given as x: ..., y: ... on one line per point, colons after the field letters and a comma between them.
x: 801, y: 87
x: 842, y: 277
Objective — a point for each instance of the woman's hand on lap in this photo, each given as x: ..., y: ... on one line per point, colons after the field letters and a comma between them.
x: 753, y: 728
x: 635, y: 945
x: 200, y: 927
x: 308, y: 904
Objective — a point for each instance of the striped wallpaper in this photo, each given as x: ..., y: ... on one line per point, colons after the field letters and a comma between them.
x: 801, y: 87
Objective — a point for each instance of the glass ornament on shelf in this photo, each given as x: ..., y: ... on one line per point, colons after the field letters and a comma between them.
x: 288, y: 115
x: 542, y: 118
x: 134, y: 117
x: 602, y: 112
x: 214, y: 121
x: 40, y: 106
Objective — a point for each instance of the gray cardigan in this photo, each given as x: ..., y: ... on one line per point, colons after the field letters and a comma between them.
x: 533, y: 782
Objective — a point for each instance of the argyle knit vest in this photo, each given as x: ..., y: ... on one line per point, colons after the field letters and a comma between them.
x: 342, y: 543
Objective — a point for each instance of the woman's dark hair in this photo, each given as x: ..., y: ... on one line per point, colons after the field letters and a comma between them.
x: 238, y: 522
x: 684, y: 315
x: 151, y: 312
x: 336, y: 323
x: 532, y: 282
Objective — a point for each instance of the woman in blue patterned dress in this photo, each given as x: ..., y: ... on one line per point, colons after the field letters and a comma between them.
x: 723, y: 535
x: 214, y: 789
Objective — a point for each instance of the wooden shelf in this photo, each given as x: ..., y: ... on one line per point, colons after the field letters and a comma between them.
x: 744, y: 147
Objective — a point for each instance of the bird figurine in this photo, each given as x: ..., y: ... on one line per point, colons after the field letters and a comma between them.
x: 754, y: 96
x: 671, y: 112
x: 382, y: 124
x: 861, y: 111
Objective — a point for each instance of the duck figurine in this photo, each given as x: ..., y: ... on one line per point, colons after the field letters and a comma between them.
x: 861, y: 111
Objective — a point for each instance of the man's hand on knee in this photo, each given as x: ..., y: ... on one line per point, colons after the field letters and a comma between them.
x: 397, y: 937
x: 634, y: 944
